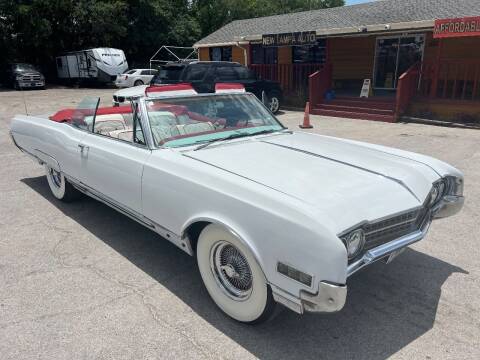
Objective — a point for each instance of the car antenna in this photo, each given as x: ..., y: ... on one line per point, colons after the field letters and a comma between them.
x: 24, y: 100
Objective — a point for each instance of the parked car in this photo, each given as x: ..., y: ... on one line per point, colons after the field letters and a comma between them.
x: 203, y: 75
x: 272, y: 215
x: 135, y: 77
x: 22, y: 75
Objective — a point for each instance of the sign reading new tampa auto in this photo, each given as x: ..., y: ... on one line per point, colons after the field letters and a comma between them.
x: 468, y: 26
x: 290, y: 39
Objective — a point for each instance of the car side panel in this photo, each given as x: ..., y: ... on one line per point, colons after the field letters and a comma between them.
x: 178, y: 191
x: 44, y: 139
x: 114, y: 169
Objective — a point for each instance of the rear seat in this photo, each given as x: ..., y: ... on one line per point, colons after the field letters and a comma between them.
x: 122, y: 134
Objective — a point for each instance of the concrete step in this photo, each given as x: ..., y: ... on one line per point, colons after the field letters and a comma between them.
x: 386, y: 99
x: 353, y: 115
x: 359, y: 109
x: 384, y: 105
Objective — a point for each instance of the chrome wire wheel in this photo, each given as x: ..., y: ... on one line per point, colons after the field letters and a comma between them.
x: 56, y: 178
x: 232, y: 275
x: 231, y: 271
x: 59, y: 185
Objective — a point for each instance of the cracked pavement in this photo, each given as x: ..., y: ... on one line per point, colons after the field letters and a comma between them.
x: 81, y: 281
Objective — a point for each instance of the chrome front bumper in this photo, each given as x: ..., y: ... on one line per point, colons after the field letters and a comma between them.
x: 449, y: 205
x: 330, y: 298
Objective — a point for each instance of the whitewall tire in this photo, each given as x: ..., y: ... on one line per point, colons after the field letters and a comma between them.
x: 59, y: 186
x: 233, y: 277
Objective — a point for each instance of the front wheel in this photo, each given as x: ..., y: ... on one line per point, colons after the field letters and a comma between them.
x: 138, y: 83
x: 60, y: 187
x: 233, y: 277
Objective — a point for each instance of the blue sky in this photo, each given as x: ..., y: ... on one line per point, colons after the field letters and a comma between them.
x: 351, y: 2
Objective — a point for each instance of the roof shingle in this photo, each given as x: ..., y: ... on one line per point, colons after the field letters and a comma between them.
x: 372, y: 13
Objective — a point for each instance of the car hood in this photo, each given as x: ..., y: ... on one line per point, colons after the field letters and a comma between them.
x: 132, y: 91
x: 347, y: 181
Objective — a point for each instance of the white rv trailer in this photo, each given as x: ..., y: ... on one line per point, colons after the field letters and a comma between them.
x: 98, y: 65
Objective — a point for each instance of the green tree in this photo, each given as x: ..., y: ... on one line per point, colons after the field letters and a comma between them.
x: 39, y: 30
x: 213, y: 14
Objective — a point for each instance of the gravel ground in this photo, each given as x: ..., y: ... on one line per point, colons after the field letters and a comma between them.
x: 81, y: 281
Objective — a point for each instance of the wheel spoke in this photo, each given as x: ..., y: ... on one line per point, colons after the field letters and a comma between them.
x: 231, y: 270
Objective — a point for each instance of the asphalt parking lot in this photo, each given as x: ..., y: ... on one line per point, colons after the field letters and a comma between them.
x: 81, y: 281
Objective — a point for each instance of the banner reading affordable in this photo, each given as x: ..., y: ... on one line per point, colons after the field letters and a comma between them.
x: 468, y: 26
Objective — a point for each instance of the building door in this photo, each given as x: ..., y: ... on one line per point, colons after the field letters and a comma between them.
x: 393, y: 56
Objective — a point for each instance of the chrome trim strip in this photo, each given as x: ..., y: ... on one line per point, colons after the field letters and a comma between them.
x: 384, y: 250
x: 145, y: 121
x: 180, y: 242
x: 398, y: 181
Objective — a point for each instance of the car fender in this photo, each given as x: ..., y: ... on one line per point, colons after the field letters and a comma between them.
x: 229, y: 225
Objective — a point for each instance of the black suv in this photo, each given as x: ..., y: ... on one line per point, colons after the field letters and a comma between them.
x: 203, y: 75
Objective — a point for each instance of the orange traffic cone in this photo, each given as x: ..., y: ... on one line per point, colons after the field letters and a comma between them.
x: 306, y: 118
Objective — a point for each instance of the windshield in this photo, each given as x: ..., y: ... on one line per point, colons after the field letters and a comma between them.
x: 195, y: 120
x: 24, y: 67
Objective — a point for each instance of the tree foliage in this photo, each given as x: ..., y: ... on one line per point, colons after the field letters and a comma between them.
x: 38, y: 30
x: 212, y: 14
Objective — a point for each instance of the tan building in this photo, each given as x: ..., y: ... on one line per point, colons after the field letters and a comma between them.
x: 422, y: 57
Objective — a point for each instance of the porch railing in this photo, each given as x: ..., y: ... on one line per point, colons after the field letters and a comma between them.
x: 293, y: 78
x: 406, y: 88
x: 318, y: 84
x: 455, y: 79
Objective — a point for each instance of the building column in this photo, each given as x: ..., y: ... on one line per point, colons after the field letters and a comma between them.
x: 436, y: 70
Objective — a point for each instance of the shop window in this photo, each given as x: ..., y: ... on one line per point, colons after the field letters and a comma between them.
x: 311, y: 54
x: 264, y: 55
x: 221, y: 53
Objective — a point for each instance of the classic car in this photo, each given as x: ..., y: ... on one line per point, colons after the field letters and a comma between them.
x: 272, y: 215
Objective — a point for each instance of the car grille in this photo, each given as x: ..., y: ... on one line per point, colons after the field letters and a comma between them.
x: 31, y: 78
x: 118, y: 99
x: 383, y: 231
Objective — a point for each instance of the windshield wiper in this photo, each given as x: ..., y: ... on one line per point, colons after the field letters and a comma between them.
x: 234, y: 136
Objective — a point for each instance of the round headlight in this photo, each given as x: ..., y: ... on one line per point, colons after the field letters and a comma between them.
x: 438, y: 191
x: 433, y: 195
x: 354, y: 243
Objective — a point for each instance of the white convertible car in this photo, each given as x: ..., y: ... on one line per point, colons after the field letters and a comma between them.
x: 272, y: 216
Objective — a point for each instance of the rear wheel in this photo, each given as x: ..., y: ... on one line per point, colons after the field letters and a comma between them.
x: 233, y: 277
x: 60, y: 186
x: 138, y: 83
x: 274, y: 103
